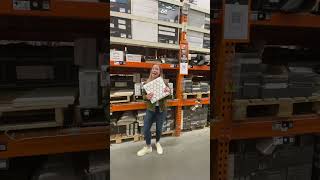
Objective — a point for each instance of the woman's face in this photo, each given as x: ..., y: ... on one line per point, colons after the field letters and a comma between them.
x: 155, y: 71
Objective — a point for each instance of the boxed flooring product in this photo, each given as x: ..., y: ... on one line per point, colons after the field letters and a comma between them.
x: 169, y: 12
x: 195, y: 39
x: 144, y: 31
x: 133, y: 57
x: 207, y: 22
x: 120, y: 27
x: 145, y: 8
x: 206, y: 41
x: 168, y: 35
x: 196, y: 18
x: 123, y: 6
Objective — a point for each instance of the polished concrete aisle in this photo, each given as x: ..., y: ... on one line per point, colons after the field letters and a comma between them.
x: 185, y: 158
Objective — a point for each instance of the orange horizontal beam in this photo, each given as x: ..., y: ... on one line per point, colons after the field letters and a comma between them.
x: 304, y: 124
x: 200, y: 68
x: 290, y: 20
x: 137, y: 105
x: 192, y: 102
x: 143, y: 65
x: 140, y: 65
x: 54, y: 141
x: 61, y: 9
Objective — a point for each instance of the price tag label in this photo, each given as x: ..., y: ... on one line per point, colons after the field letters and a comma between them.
x: 3, y: 147
x: 236, y: 17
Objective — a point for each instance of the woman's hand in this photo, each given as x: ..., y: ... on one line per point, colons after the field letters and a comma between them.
x: 167, y: 90
x: 149, y: 96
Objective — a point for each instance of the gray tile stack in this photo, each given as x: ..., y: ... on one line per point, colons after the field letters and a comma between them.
x: 275, y: 82
x: 247, y: 73
x: 187, y: 85
x: 287, y: 161
x: 204, y: 86
x: 194, y: 118
x: 301, y: 81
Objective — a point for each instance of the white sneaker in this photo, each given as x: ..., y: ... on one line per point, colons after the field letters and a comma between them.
x: 159, y: 148
x: 144, y: 150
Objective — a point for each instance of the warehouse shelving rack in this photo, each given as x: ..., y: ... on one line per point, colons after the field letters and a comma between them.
x: 179, y: 102
x: 64, y: 21
x: 223, y: 130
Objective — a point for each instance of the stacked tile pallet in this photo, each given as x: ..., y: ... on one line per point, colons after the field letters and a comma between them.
x: 276, y: 140
x: 160, y: 45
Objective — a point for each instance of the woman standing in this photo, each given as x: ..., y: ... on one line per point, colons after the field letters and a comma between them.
x: 156, y: 112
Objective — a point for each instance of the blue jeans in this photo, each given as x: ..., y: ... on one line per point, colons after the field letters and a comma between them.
x: 149, y: 119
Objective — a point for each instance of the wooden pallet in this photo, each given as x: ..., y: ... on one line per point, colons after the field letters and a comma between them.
x: 121, y: 96
x: 122, y: 138
x: 280, y: 107
x: 194, y: 128
x: 197, y: 95
x: 10, y: 114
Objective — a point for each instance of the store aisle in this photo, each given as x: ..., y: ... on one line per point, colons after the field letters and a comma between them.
x: 185, y: 158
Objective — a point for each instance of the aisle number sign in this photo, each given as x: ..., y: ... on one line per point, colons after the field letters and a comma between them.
x: 236, y: 20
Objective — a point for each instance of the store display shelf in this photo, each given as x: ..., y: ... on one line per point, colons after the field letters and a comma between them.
x: 144, y: 19
x: 53, y: 141
x: 301, y: 20
x: 137, y: 105
x: 131, y: 42
x: 202, y: 30
x: 140, y: 65
x: 199, y: 68
x: 61, y: 9
x: 264, y: 127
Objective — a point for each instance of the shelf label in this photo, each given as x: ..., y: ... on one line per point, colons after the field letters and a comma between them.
x: 236, y: 16
x: 184, y: 68
x: 282, y: 126
x: 4, y: 164
x: 3, y: 147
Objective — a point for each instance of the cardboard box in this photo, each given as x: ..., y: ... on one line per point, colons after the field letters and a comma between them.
x: 120, y: 27
x: 144, y: 31
x: 117, y: 56
x: 195, y: 39
x: 88, y: 87
x: 196, y: 19
x: 168, y: 35
x: 133, y: 57
x: 145, y: 8
x: 169, y: 12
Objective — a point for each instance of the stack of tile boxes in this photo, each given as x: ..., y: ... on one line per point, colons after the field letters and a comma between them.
x: 193, y: 118
x: 145, y: 31
x: 286, y: 162
x: 255, y: 80
x: 301, y: 81
x: 201, y: 20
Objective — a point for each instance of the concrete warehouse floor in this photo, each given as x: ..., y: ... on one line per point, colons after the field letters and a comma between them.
x: 185, y: 158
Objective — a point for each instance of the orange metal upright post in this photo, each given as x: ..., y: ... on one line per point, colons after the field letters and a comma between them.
x: 184, y: 49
